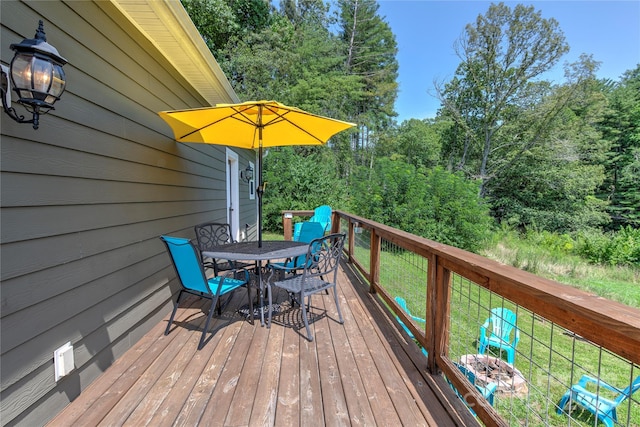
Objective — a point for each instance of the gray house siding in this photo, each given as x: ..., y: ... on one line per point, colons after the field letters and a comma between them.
x: 84, y: 199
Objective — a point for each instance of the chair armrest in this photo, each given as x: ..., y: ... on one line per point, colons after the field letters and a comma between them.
x: 483, y: 329
x: 586, y: 379
x: 418, y: 319
x: 279, y: 267
x: 489, y: 389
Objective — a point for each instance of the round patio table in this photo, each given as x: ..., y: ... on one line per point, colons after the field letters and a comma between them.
x: 251, y: 251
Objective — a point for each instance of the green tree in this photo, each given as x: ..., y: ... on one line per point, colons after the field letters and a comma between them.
x: 219, y: 20
x: 435, y: 204
x: 551, y: 185
x: 370, y: 55
x: 621, y: 126
x: 419, y: 141
x: 500, y: 54
x: 300, y: 178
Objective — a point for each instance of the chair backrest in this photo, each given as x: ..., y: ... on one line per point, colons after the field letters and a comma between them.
x: 309, y: 231
x: 184, y: 256
x: 212, y: 234
x: 627, y: 392
x: 322, y: 214
x: 323, y: 256
x: 503, y: 321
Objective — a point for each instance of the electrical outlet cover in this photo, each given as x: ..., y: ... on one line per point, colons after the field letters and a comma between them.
x: 63, y: 361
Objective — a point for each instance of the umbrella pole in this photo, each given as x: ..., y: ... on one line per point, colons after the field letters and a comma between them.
x: 260, y: 191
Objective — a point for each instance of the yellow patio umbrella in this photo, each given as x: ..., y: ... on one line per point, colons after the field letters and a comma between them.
x: 252, y: 125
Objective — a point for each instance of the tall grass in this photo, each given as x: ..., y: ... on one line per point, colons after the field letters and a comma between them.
x: 550, y: 256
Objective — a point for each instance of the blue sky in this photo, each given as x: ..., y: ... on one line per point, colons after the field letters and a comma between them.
x: 426, y: 30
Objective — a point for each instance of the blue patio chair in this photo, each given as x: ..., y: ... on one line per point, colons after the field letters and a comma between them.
x: 403, y: 304
x: 190, y: 273
x: 487, y: 391
x: 321, y: 215
x: 503, y: 323
x: 602, y: 407
x: 308, y: 231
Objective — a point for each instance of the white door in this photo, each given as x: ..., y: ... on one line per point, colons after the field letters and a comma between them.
x: 233, y: 195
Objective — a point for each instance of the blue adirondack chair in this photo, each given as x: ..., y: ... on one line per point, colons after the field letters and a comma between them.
x: 488, y: 391
x: 321, y: 215
x: 503, y: 324
x: 190, y: 273
x: 403, y: 304
x: 602, y: 407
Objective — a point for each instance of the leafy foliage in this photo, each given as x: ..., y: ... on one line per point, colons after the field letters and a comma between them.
x: 621, y: 248
x: 621, y: 126
x: 559, y: 159
x: 299, y: 181
x: 434, y: 203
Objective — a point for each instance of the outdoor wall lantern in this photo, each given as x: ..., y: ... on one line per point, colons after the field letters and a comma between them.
x: 36, y: 75
x: 247, y: 174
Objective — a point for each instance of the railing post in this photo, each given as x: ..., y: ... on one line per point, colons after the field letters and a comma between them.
x: 286, y: 225
x: 438, y: 310
x: 352, y: 237
x: 335, y: 223
x: 374, y: 264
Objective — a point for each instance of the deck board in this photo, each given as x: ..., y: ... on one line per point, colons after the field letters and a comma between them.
x: 360, y: 373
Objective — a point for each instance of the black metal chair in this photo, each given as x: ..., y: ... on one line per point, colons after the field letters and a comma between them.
x: 190, y: 273
x: 209, y: 236
x: 319, y: 273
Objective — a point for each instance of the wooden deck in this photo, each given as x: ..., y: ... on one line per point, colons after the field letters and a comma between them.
x: 359, y: 373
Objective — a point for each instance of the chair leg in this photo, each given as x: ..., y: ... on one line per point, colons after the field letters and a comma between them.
x: 335, y: 297
x: 482, y: 347
x: 304, y: 315
x: 563, y: 403
x: 250, y: 301
x: 269, y: 291
x: 206, y: 324
x: 173, y: 313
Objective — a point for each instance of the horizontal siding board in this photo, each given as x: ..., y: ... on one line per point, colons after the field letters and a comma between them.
x: 118, y: 60
x: 25, y: 325
x: 40, y: 381
x: 52, y: 160
x: 95, y: 163
x: 34, y: 255
x: 60, y: 191
x: 31, y: 289
x: 95, y: 334
x: 48, y: 221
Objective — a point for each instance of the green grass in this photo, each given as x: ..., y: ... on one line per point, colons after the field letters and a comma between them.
x: 611, y: 282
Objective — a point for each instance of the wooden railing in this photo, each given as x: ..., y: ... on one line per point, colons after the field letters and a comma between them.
x: 605, y: 323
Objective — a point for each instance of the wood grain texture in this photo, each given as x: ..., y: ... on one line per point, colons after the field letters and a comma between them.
x: 359, y: 373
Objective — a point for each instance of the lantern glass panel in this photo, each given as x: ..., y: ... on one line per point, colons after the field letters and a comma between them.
x: 41, y: 75
x: 59, y: 81
x: 21, y: 75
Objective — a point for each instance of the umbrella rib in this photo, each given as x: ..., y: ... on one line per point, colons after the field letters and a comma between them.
x: 243, y: 118
x: 283, y: 118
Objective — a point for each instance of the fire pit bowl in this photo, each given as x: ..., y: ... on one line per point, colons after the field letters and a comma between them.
x: 489, y: 369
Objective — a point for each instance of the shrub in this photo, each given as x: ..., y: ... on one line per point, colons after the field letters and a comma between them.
x: 613, y: 248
